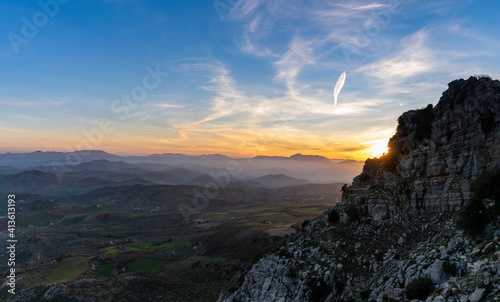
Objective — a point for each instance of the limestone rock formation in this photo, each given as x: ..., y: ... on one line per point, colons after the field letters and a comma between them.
x: 434, y: 155
x: 397, y: 239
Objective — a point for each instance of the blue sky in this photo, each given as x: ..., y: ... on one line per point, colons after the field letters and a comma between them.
x: 244, y: 77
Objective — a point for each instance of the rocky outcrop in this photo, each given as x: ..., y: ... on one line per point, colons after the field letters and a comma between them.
x: 434, y: 155
x: 371, y: 262
x: 397, y: 238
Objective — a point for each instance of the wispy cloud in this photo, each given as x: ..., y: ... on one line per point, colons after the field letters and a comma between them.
x: 11, y: 129
x: 415, y: 58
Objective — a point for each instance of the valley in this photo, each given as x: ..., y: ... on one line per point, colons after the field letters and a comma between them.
x: 108, y: 223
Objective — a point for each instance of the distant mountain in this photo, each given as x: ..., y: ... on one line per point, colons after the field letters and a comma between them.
x: 262, y: 157
x: 301, y: 157
x: 135, y: 181
x: 297, y: 157
x: 278, y: 180
x: 167, y: 155
x: 106, y: 165
x: 48, y: 158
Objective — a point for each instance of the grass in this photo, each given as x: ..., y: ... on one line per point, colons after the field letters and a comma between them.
x: 149, y: 246
x: 177, y: 242
x: 68, y: 270
x: 38, y: 218
x: 147, y: 265
x: 112, y: 251
x: 212, y: 260
x: 107, y: 269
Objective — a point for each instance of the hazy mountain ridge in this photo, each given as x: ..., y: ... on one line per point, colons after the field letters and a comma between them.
x: 185, y: 169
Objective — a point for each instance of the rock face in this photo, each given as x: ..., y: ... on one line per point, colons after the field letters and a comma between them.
x: 434, y: 155
x: 397, y: 232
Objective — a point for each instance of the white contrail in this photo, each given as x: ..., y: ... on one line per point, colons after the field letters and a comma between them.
x: 338, y: 87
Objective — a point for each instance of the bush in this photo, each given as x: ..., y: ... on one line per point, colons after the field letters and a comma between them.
x: 319, y: 290
x: 483, y: 76
x: 365, y: 294
x: 365, y: 178
x: 385, y: 298
x: 305, y: 223
x: 473, y: 217
x: 449, y: 268
x: 487, y: 186
x: 390, y: 161
x: 423, y: 120
x: 353, y: 212
x: 419, y: 288
x: 333, y: 217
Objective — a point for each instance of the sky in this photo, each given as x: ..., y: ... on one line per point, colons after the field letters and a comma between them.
x: 237, y: 77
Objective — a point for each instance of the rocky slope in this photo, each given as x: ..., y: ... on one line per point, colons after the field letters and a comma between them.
x: 394, y: 235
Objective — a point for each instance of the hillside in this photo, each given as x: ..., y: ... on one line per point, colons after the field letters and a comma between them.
x: 397, y: 235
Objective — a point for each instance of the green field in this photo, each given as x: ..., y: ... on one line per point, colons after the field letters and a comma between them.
x: 149, y: 246
x: 68, y: 270
x: 107, y: 269
x: 38, y: 218
x: 147, y: 265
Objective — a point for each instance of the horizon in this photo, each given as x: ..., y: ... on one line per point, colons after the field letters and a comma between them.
x: 168, y: 153
x: 244, y: 79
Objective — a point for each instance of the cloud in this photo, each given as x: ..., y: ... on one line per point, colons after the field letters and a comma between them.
x: 338, y: 88
x: 170, y: 106
x: 414, y: 59
x: 10, y: 129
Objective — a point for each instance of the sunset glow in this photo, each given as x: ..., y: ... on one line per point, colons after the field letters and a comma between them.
x: 254, y: 79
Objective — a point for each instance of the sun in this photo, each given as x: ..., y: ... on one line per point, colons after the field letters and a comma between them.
x: 378, y: 148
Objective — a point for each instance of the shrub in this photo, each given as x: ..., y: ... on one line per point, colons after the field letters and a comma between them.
x: 419, y: 288
x: 365, y: 294
x: 423, y: 120
x: 385, y: 298
x: 390, y: 161
x: 305, y: 223
x: 449, y: 268
x: 319, y: 290
x: 364, y: 178
x: 333, y: 217
x: 473, y: 217
x: 353, y: 212
x: 371, y: 165
x: 487, y: 186
x: 483, y: 76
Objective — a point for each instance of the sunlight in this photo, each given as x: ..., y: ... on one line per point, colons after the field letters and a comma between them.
x: 379, y: 147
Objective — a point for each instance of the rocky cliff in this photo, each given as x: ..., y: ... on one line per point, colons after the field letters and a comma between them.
x: 394, y: 236
x: 434, y: 155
